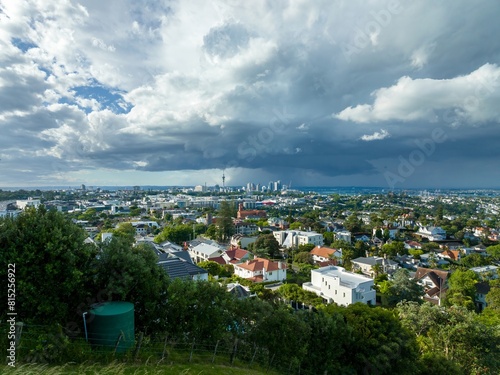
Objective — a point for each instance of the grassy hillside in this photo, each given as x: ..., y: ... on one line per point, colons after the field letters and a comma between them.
x: 129, y: 369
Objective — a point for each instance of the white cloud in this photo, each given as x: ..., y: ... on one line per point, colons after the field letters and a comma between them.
x: 472, y: 99
x: 377, y: 136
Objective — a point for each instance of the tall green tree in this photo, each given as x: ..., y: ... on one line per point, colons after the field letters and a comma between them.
x: 52, y: 266
x: 266, y: 246
x: 453, y: 333
x: 123, y: 272
x: 379, y: 343
x: 403, y: 288
x: 462, y: 289
x: 225, y: 223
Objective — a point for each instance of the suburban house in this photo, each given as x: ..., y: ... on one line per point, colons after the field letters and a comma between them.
x: 343, y: 235
x: 239, y: 291
x: 489, y: 272
x: 250, y: 214
x: 413, y: 245
x: 201, y: 251
x: 482, y: 289
x: 393, y: 232
x: 178, y: 267
x: 261, y: 270
x: 368, y: 265
x: 294, y: 238
x: 432, y: 233
x: 243, y: 228
x: 450, y: 254
x: 434, y: 282
x: 324, y: 254
x: 235, y: 255
x: 240, y: 240
x: 335, y: 284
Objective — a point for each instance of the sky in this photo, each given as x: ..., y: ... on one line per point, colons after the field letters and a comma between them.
x: 396, y: 94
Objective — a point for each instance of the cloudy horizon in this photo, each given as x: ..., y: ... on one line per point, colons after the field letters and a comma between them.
x: 395, y: 94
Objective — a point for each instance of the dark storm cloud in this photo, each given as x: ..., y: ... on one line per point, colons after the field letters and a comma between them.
x: 323, y: 90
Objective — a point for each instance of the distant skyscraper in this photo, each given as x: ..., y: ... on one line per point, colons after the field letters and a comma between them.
x: 223, y: 180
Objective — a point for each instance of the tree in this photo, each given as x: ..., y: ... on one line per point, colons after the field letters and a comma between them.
x: 266, y: 246
x: 225, y: 221
x: 453, y: 333
x: 404, y: 288
x: 296, y: 225
x: 353, y: 224
x: 327, y: 238
x: 462, y: 289
x: 303, y: 257
x: 52, y: 266
x: 176, y: 233
x: 379, y: 344
x: 494, y: 251
x: 394, y: 248
x: 305, y: 247
x: 213, y: 268
x: 474, y: 260
x: 198, y: 310
x: 123, y: 272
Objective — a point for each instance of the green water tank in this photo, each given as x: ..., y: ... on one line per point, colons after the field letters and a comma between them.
x: 107, y: 321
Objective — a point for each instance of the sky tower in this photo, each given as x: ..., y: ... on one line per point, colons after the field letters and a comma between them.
x: 223, y: 180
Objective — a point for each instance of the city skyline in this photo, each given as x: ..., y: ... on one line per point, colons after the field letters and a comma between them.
x: 319, y: 93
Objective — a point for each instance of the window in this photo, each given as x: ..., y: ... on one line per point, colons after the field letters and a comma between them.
x: 335, y: 292
x: 328, y: 287
x: 344, y: 294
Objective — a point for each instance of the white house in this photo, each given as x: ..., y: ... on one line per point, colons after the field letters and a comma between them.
x: 325, y: 254
x: 260, y: 270
x: 335, y: 284
x: 366, y: 265
x: 344, y: 235
x: 30, y: 202
x: 432, y: 233
x: 294, y: 238
x: 200, y: 252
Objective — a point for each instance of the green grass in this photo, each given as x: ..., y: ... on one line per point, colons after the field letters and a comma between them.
x: 131, y: 369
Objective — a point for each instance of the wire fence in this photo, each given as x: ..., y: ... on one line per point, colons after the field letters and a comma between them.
x: 50, y: 345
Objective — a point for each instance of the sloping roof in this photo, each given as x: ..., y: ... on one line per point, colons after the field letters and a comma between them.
x: 219, y: 260
x: 239, y: 291
x: 371, y: 261
x: 258, y: 264
x: 206, y: 249
x: 177, y: 268
x: 322, y: 251
x: 236, y: 254
x: 438, y: 278
x: 482, y: 287
x: 452, y: 254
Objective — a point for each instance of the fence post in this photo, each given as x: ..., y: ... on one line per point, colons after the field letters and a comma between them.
x: 270, y: 362
x: 192, y: 349
x: 117, y: 342
x: 165, y: 348
x: 138, y: 347
x: 215, y: 351
x: 19, y: 331
x: 254, y: 353
x: 235, y: 347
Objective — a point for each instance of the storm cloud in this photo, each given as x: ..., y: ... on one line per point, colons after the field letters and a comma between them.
x: 314, y: 92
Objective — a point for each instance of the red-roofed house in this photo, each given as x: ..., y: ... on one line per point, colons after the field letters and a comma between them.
x: 450, y: 254
x: 236, y: 255
x: 325, y: 254
x: 260, y: 270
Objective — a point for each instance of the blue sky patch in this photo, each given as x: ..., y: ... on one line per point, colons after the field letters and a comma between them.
x: 108, y: 98
x: 22, y: 44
